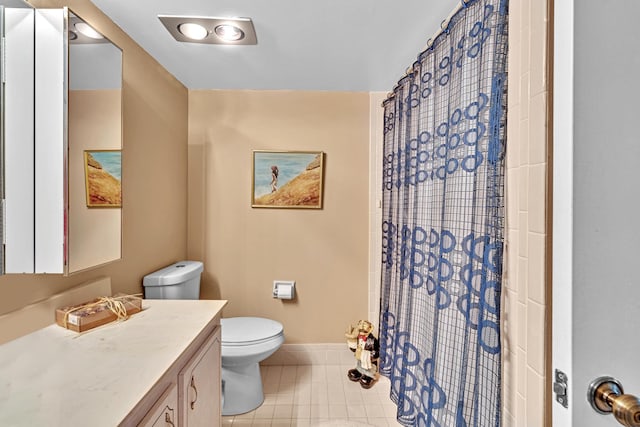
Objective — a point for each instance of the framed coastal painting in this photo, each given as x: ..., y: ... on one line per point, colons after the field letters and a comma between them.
x: 103, y: 177
x: 287, y: 179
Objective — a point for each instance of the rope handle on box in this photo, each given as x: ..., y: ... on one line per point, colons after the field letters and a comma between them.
x: 114, y: 304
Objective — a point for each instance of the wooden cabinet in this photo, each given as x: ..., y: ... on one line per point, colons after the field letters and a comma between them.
x: 165, y: 412
x: 199, y: 386
x: 189, y: 393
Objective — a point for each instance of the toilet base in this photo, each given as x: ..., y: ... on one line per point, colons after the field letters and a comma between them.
x: 241, y: 389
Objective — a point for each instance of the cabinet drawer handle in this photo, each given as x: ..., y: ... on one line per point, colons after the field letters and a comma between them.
x: 193, y: 386
x: 167, y: 419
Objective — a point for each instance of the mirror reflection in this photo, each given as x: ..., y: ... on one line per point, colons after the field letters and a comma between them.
x: 94, y: 148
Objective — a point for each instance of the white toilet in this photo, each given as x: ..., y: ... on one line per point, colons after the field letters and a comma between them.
x: 246, y: 341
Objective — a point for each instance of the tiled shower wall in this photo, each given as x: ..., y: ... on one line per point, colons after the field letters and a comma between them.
x: 525, y: 304
x: 525, y: 298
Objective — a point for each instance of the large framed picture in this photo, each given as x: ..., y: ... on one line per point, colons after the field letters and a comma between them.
x: 287, y: 179
x: 103, y: 176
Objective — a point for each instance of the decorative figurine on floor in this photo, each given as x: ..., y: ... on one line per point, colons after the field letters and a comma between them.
x: 364, y: 344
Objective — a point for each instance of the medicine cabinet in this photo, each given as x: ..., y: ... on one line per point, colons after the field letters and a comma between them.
x: 71, y: 218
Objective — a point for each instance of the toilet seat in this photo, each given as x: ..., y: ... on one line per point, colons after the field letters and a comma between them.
x: 249, y: 331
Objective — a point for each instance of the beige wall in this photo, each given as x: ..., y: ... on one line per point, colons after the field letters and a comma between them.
x: 526, y: 297
x: 244, y: 249
x: 376, y: 141
x: 154, y: 173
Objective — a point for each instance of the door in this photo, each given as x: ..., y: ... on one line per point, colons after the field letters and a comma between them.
x: 17, y: 95
x: 199, y: 385
x: 596, y: 231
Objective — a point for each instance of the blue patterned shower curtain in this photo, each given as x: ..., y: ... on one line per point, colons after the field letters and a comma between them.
x: 443, y: 212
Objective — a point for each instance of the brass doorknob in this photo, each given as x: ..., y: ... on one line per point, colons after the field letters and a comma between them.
x: 606, y: 396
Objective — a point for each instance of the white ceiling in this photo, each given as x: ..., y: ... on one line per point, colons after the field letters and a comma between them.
x: 333, y: 45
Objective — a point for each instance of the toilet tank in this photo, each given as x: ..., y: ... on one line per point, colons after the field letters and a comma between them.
x: 176, y: 281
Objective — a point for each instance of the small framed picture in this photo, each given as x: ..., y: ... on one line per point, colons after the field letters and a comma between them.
x: 287, y: 179
x: 103, y: 176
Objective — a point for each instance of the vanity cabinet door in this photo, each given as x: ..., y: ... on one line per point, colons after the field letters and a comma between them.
x: 199, y: 386
x: 165, y: 412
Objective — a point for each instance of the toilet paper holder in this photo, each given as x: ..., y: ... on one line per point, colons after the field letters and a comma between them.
x: 284, y: 289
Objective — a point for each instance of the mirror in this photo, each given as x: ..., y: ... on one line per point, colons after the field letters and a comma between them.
x: 17, y: 137
x: 94, y: 162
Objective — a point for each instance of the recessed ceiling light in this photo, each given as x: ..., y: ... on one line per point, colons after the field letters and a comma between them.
x: 210, y: 30
x: 88, y: 31
x: 193, y: 31
x: 229, y: 32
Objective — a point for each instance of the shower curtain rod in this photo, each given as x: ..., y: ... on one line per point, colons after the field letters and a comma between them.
x: 443, y: 25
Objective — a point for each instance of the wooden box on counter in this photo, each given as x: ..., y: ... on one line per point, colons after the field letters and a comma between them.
x: 91, y: 314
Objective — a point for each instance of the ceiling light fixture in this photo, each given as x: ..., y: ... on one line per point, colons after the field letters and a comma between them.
x: 88, y: 31
x: 193, y: 31
x: 209, y: 30
x: 229, y: 32
x: 82, y: 33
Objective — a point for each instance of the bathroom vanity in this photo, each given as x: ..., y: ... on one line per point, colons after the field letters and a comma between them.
x: 160, y: 367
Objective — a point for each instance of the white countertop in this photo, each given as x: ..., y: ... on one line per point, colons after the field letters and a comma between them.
x: 57, y: 377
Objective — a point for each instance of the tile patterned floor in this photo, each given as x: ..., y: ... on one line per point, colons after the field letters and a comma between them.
x: 313, y: 395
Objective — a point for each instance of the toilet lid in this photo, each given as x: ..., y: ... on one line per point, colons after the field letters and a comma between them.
x: 246, y: 330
